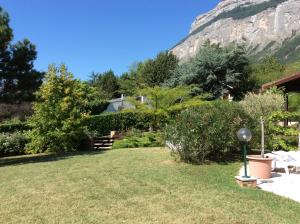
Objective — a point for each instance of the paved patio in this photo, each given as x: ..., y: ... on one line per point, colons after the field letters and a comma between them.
x: 281, y: 184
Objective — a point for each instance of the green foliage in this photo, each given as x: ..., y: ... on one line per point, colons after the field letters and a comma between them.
x: 138, y: 139
x: 208, y: 132
x: 259, y: 107
x: 96, y: 107
x: 262, y: 105
x: 292, y: 68
x: 12, y: 143
x: 95, y: 104
x: 58, y: 113
x: 176, y: 109
x: 128, y: 83
x: 155, y: 72
x: 216, y: 70
x: 6, y: 35
x: 284, y: 138
x: 19, y: 80
x: 273, y: 68
x: 289, y: 51
x: 106, y: 84
x: 164, y: 97
x: 294, y: 102
x: 102, y: 124
x: 268, y: 70
x: 13, y: 126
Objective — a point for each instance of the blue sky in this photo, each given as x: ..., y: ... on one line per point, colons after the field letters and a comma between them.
x: 98, y: 35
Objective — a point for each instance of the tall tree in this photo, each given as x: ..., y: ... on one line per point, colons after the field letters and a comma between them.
x: 6, y: 35
x: 58, y: 113
x: 156, y: 71
x: 128, y: 84
x: 216, y: 70
x: 107, y: 84
x: 18, y: 78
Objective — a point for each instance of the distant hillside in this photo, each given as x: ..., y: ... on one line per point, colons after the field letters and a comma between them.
x: 265, y: 27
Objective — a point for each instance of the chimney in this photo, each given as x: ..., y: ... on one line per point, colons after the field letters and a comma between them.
x: 142, y: 99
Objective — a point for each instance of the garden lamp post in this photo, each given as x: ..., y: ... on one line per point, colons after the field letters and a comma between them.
x: 244, y: 135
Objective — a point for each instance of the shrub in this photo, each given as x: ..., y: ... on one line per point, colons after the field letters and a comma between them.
x: 177, y: 108
x: 102, y: 124
x: 283, y: 138
x: 207, y: 132
x: 137, y: 139
x: 96, y: 106
x: 12, y: 144
x: 58, y: 113
x: 257, y: 105
x: 14, y: 125
x: 260, y: 107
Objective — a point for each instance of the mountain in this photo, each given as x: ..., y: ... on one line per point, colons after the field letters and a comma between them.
x: 265, y: 27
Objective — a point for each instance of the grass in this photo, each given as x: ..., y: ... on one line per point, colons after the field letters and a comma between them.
x: 131, y: 186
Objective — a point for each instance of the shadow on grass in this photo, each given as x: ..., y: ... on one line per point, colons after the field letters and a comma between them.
x: 40, y: 158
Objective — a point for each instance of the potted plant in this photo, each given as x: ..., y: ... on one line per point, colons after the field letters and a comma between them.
x: 260, y: 106
x: 260, y: 165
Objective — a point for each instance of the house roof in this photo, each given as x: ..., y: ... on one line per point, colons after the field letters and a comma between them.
x: 116, y: 104
x: 289, y: 83
x: 116, y: 100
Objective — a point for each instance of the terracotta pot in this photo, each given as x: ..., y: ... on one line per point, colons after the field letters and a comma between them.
x: 260, y: 167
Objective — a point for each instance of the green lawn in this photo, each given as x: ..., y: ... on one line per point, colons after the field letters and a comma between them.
x: 131, y: 186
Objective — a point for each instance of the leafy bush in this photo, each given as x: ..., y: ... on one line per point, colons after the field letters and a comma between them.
x: 137, y: 139
x: 294, y: 102
x: 58, y: 113
x: 260, y: 107
x: 208, y: 132
x: 283, y: 138
x: 96, y: 106
x: 101, y: 125
x: 12, y: 144
x: 13, y: 125
x: 177, y: 108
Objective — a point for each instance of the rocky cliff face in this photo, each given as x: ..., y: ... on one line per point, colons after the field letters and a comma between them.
x: 264, y: 26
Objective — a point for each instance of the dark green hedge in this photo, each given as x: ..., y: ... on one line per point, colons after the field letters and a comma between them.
x: 102, y: 124
x: 13, y: 126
